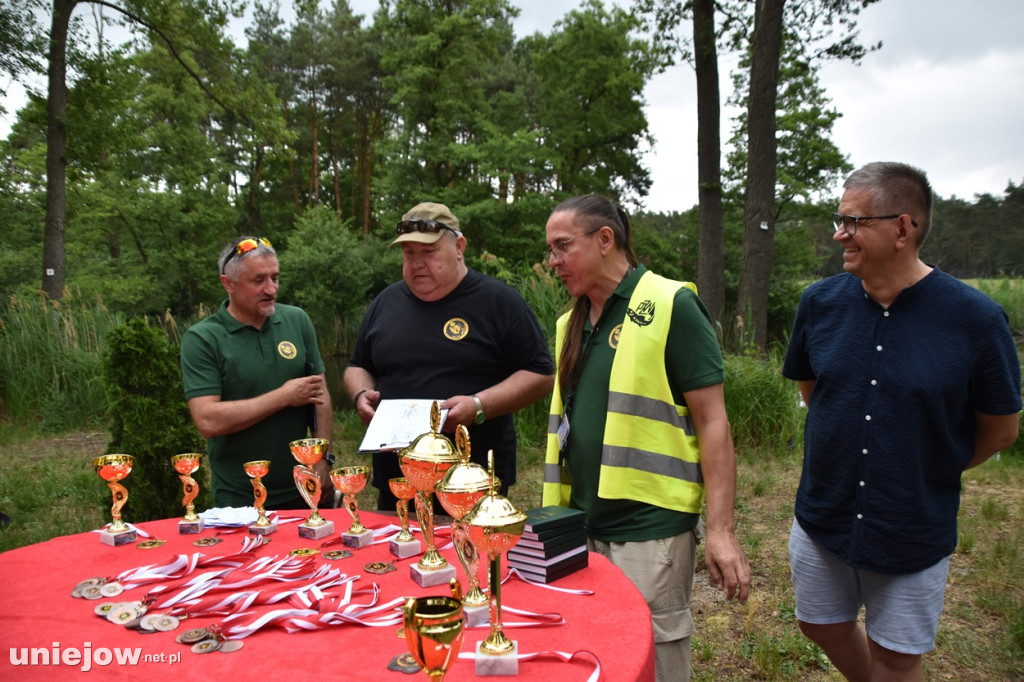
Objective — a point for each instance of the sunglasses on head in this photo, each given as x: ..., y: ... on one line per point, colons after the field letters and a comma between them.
x: 245, y: 246
x: 431, y: 226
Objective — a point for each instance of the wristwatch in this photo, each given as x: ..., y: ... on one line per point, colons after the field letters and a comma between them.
x: 480, y: 416
x: 329, y: 458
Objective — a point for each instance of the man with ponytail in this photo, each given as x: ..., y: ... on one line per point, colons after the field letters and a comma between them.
x: 638, y: 435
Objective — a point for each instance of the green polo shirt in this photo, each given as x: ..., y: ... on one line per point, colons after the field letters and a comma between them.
x: 693, y: 360
x: 221, y: 356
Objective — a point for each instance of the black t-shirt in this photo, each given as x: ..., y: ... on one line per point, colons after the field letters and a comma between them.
x: 473, y: 338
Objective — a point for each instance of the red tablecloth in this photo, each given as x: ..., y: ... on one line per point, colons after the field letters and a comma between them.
x: 39, y: 613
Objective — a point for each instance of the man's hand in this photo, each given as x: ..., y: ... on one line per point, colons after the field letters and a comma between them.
x: 727, y: 565
x: 366, y: 404
x: 461, y: 410
x: 304, y: 390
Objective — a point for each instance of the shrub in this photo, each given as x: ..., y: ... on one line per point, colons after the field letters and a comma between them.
x: 149, y: 419
x: 764, y: 408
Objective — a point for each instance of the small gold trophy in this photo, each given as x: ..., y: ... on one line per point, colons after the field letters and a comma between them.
x: 433, y: 628
x: 351, y: 481
x: 405, y: 543
x: 113, y: 469
x: 459, y: 491
x: 309, y: 451
x: 495, y: 525
x: 256, y: 470
x: 187, y: 464
x: 424, y: 463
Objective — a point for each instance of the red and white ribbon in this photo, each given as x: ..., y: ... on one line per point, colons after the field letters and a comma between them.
x: 538, y: 619
x: 566, y: 590
x: 566, y: 657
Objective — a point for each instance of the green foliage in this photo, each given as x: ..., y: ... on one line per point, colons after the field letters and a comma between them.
x: 591, y: 73
x: 149, y: 418
x: 548, y: 299
x: 49, y: 360
x: 764, y: 408
x: 333, y: 273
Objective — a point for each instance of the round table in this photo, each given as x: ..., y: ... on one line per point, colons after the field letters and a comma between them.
x: 51, y: 635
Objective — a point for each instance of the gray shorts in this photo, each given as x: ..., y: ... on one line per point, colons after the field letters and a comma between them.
x: 901, y: 612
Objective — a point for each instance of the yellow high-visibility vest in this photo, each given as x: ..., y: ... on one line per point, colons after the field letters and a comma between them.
x: 650, y: 451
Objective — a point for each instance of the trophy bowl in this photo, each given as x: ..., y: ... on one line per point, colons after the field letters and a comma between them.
x: 351, y: 481
x: 425, y: 462
x: 495, y: 525
x: 187, y: 464
x: 459, y: 492
x: 113, y: 469
x: 308, y: 452
x: 256, y: 470
x: 433, y: 628
x: 405, y: 543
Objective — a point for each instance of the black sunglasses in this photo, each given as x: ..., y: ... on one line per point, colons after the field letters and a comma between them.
x: 431, y: 226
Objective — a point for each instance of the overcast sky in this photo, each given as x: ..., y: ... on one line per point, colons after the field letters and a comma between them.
x: 945, y: 93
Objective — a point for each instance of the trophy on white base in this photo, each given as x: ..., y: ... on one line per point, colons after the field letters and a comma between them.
x: 425, y: 462
x: 495, y: 525
x: 459, y: 491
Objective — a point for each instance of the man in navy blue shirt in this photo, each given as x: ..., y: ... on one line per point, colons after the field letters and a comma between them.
x: 910, y: 377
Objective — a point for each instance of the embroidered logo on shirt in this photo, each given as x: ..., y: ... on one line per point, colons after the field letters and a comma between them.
x: 286, y: 349
x: 613, y: 338
x: 644, y: 313
x: 456, y: 329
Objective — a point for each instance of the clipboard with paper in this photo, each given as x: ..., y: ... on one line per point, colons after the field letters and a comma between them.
x: 397, y: 423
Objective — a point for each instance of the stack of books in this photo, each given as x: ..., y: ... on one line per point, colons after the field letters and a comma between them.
x: 553, y: 544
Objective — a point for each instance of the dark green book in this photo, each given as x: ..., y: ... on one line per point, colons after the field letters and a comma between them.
x: 546, y: 519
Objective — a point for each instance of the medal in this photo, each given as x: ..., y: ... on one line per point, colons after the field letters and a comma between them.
x: 206, y: 646
x: 165, y: 623
x: 404, y: 663
x: 111, y: 589
x: 336, y: 554
x: 150, y: 544
x: 231, y: 646
x: 303, y: 551
x: 90, y: 582
x: 92, y: 592
x: 206, y: 542
x: 380, y: 567
x: 192, y: 636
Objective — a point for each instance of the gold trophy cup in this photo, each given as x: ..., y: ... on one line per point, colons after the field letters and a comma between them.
x: 113, y: 469
x: 433, y: 628
x: 424, y: 463
x: 308, y: 452
x: 187, y: 464
x: 351, y: 481
x: 256, y: 470
x: 459, y: 491
x: 495, y: 525
x: 405, y: 543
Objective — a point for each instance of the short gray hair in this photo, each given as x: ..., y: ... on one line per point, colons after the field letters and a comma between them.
x: 897, y: 188
x: 230, y: 261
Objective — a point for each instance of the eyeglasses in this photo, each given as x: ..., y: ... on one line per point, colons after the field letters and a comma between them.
x: 432, y: 226
x: 245, y: 246
x: 560, y: 249
x: 850, y: 223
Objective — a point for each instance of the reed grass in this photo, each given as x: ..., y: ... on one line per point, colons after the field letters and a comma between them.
x: 50, y: 360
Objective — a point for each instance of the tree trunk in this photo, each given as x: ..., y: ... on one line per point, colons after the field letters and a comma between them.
x: 759, y: 211
x: 56, y: 143
x: 711, y: 253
